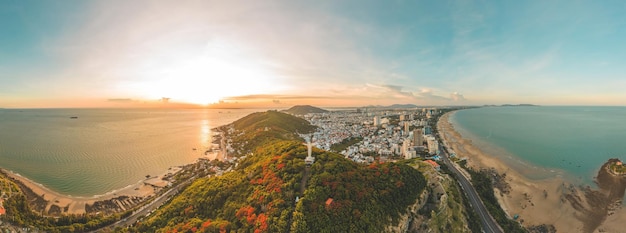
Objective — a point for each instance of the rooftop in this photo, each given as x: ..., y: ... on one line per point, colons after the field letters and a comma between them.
x: 2, y: 210
x: 435, y: 164
x: 329, y: 201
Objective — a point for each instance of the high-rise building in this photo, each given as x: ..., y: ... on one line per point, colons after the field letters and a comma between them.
x: 406, y: 127
x: 376, y: 120
x: 433, y: 145
x: 427, y: 130
x: 418, y: 137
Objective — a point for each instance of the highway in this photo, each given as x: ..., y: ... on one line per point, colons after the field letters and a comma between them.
x: 489, y: 224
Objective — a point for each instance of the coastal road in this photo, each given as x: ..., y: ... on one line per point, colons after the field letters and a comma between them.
x: 489, y: 224
x: 148, y: 208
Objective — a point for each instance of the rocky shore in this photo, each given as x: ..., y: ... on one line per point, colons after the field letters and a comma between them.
x: 595, y: 205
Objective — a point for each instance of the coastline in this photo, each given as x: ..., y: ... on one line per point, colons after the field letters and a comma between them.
x: 536, y: 202
x: 52, y: 203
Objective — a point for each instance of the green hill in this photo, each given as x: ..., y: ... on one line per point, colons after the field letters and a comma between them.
x: 276, y: 121
x: 259, y: 195
x: 304, y: 109
x: 262, y: 128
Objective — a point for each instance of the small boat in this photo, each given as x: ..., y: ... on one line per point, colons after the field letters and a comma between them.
x: 73, y: 117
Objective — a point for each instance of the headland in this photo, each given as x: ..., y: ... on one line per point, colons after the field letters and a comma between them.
x: 551, y: 201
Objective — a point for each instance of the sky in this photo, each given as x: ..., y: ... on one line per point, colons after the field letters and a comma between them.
x: 328, y: 53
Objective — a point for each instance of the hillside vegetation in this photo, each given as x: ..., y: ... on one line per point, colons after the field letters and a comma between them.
x: 19, y: 205
x: 335, y: 194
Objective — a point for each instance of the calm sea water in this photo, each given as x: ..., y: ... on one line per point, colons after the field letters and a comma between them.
x: 104, y: 149
x: 541, y: 142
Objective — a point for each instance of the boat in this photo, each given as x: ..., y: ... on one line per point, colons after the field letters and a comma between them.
x: 73, y: 117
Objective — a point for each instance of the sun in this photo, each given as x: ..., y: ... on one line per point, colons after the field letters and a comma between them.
x: 208, y: 77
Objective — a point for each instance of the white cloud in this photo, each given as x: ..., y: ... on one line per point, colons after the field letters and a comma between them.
x: 456, y: 96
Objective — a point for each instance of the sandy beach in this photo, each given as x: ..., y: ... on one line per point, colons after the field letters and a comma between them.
x: 53, y: 203
x: 536, y: 202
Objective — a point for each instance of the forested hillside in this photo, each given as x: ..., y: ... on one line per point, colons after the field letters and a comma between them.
x: 334, y: 194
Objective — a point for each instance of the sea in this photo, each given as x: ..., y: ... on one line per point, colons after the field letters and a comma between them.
x: 545, y: 141
x: 90, y: 152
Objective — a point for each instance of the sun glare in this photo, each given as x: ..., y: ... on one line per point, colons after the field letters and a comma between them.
x: 218, y: 72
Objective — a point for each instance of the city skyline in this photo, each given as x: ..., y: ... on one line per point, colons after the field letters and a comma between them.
x: 280, y: 53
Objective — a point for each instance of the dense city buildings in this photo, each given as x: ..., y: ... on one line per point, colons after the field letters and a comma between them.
x: 367, y: 134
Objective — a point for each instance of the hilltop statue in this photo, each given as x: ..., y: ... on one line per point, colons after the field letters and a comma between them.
x: 309, y: 160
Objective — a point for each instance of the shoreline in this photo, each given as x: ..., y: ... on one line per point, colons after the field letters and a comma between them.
x: 53, y: 203
x: 525, y: 168
x: 535, y: 201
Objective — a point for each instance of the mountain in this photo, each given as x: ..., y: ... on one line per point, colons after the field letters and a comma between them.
x: 403, y: 106
x: 274, y: 120
x: 394, y: 106
x: 304, y: 109
x: 262, y: 128
x: 273, y: 190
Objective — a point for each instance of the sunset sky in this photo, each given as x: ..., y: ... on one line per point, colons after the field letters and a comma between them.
x: 328, y: 53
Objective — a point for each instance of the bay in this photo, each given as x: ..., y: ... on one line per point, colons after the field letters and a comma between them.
x: 102, y: 150
x: 547, y: 141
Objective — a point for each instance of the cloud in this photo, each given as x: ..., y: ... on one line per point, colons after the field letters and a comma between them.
x: 309, y: 52
x: 456, y: 96
x: 388, y: 91
x: 368, y: 93
x: 428, y: 94
x: 273, y: 97
x: 120, y: 100
x: 397, y: 93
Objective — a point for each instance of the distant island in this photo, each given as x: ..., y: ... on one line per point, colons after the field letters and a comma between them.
x: 304, y: 109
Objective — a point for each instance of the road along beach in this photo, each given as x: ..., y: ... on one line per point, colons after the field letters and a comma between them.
x: 552, y: 201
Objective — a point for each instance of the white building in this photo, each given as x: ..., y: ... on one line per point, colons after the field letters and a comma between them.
x: 406, y: 145
x: 433, y: 145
